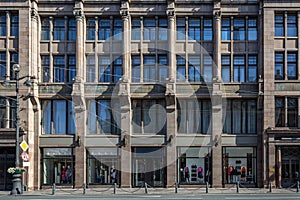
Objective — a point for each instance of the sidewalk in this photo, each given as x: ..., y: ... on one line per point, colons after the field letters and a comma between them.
x: 163, y: 191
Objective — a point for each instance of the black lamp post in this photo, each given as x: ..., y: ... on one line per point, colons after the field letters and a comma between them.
x: 17, y: 186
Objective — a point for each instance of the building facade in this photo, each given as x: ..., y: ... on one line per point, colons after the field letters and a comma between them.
x: 157, y: 92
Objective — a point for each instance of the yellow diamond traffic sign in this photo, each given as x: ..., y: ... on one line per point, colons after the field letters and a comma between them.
x: 24, y: 146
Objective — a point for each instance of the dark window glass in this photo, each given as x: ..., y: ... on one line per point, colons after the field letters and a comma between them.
x: 180, y: 68
x: 90, y: 68
x: 292, y: 25
x: 279, y: 66
x: 252, y: 68
x: 239, y: 69
x: 162, y: 29
x: 14, y: 59
x: 46, y: 68
x: 104, y: 69
x: 180, y: 29
x: 292, y: 115
x: 2, y: 25
x: 207, y: 68
x: 194, y: 69
x: 226, y: 68
x: 136, y: 69
x: 14, y: 25
x: 104, y: 29
x: 149, y: 29
x: 149, y: 68
x: 59, y: 29
x: 2, y: 65
x: 71, y: 68
x: 239, y: 29
x: 208, y: 29
x: 162, y: 67
x: 59, y: 68
x: 194, y: 29
x: 292, y: 66
x: 91, y: 29
x: 279, y: 25
x: 118, y: 29
x: 136, y: 29
x: 279, y: 112
x: 252, y: 29
x: 72, y: 29
x: 226, y: 29
x: 45, y: 32
x: 118, y: 71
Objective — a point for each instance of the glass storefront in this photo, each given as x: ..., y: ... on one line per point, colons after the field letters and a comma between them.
x: 57, y: 166
x: 103, y: 166
x: 239, y: 164
x: 148, y: 166
x: 290, y: 165
x: 194, y: 165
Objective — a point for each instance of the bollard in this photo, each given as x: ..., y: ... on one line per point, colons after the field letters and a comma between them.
x: 84, y: 188
x: 53, y: 189
x: 176, y: 187
x: 206, y: 187
x: 237, y: 187
x: 270, y: 187
x: 146, y: 188
x: 297, y: 186
x: 115, y: 188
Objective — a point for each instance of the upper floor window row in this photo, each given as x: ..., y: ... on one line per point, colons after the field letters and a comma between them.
x: 239, y: 28
x: 7, y: 112
x: 9, y: 24
x: 7, y: 71
x: 104, y: 68
x: 62, y: 69
x: 194, y: 28
x: 104, y: 29
x: 286, y: 111
x: 149, y: 29
x: 286, y: 24
x: 286, y: 67
x: 58, y: 29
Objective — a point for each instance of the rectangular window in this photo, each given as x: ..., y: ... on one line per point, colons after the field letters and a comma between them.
x: 207, y: 68
x: 59, y: 29
x: 194, y: 69
x: 286, y: 111
x: 194, y: 116
x: 279, y: 112
x: 240, y: 116
x: 104, y: 69
x: 59, y: 68
x: 226, y: 29
x: 180, y: 68
x: 14, y: 59
x: 208, y: 29
x: 239, y: 29
x: 90, y: 68
x: 72, y: 29
x: 279, y: 66
x: 148, y: 116
x: 162, y: 29
x: 14, y: 25
x: 180, y: 29
x: 292, y: 66
x: 149, y: 68
x: 58, y: 117
x: 118, y: 29
x: 3, y: 116
x: 71, y: 68
x: 7, y: 112
x: 136, y: 29
x: 45, y: 68
x: 45, y: 32
x: 2, y: 65
x: 91, y: 29
x: 149, y: 29
x: 226, y: 68
x: 136, y: 69
x: 239, y: 69
x: 279, y: 25
x: 252, y: 29
x: 292, y: 25
x: 117, y: 69
x: 103, y: 117
x: 104, y: 29
x: 252, y: 68
x: 162, y: 67
x: 194, y: 29
x: 3, y: 24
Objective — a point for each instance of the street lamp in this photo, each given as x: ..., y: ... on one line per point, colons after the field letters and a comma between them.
x: 17, y: 186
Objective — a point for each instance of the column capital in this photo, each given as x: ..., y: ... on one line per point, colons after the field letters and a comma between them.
x: 217, y: 14
x: 78, y: 13
x: 124, y: 12
x: 34, y: 14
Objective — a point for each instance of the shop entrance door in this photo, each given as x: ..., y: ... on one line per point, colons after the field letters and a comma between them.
x: 148, y: 167
x: 290, y: 167
x: 7, y: 159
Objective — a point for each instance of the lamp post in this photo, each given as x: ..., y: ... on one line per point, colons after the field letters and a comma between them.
x: 17, y: 186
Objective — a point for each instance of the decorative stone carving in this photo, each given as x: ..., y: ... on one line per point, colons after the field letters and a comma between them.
x: 78, y: 13
x: 34, y: 14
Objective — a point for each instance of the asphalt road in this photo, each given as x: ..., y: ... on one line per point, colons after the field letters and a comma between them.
x: 162, y: 197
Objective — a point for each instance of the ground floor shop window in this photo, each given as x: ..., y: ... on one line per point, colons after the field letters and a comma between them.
x: 194, y: 165
x: 103, y: 165
x: 290, y: 165
x: 148, y: 166
x: 239, y: 165
x: 57, y: 166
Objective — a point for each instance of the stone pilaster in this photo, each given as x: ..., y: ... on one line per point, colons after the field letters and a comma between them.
x: 126, y: 39
x: 171, y: 39
x: 217, y: 42
x: 171, y: 137
x: 216, y: 135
